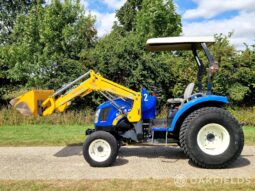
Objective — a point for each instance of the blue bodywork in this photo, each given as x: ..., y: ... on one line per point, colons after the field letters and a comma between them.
x: 193, y: 102
x: 148, y: 108
x: 148, y: 105
x: 125, y: 104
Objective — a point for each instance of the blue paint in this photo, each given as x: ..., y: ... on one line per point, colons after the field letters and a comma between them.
x: 148, y: 105
x: 160, y: 129
x: 148, y: 108
x: 124, y: 104
x: 194, y: 102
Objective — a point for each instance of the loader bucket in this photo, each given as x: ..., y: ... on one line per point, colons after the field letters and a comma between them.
x: 27, y: 104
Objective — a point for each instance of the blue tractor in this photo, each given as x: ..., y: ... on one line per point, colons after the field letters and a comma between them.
x: 198, y: 122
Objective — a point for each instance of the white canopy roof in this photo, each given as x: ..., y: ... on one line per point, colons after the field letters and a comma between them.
x: 178, y: 43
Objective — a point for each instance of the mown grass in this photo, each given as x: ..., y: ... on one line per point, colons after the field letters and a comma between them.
x: 120, y: 185
x: 35, y: 135
x: 249, y: 135
x: 68, y: 127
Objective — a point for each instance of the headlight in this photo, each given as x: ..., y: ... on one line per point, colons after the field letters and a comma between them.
x: 97, y: 115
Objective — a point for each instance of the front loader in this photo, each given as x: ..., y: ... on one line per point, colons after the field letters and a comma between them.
x: 198, y: 122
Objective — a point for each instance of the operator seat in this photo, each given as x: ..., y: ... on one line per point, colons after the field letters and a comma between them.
x: 187, y: 94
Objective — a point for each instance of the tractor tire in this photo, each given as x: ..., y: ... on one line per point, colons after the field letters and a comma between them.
x: 211, y: 137
x: 100, y: 149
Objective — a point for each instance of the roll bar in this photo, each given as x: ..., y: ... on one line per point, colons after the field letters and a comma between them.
x: 201, y: 68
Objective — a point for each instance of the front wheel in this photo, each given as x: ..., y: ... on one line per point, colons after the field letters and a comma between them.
x: 100, y: 149
x: 211, y: 137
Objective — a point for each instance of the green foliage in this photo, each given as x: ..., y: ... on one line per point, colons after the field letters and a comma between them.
x: 183, y: 72
x: 236, y: 77
x: 124, y: 60
x: 245, y: 115
x: 9, y: 9
x: 158, y: 18
x: 47, y: 43
x: 121, y: 56
x: 237, y: 92
x: 127, y: 14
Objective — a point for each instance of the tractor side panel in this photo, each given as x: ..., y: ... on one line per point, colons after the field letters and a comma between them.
x: 106, y: 112
x: 194, y: 102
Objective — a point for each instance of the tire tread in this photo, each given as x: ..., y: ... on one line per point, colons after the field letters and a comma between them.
x: 185, y: 127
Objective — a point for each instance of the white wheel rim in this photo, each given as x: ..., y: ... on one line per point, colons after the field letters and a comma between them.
x: 213, y: 139
x: 99, y: 150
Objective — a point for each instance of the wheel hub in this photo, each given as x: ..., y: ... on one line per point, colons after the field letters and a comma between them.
x: 213, y: 139
x: 99, y: 150
x: 210, y: 137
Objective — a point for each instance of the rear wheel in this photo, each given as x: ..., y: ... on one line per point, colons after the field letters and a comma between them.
x: 100, y: 149
x: 211, y: 137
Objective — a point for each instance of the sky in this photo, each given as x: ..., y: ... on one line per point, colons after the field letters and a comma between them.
x: 199, y: 17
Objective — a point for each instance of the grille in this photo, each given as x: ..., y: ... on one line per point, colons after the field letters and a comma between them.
x: 104, y: 114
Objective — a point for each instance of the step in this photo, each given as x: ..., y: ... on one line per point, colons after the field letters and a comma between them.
x: 161, y: 129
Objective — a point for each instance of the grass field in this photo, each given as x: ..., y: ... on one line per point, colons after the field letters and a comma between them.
x: 33, y: 135
x: 249, y: 133
x: 120, y: 185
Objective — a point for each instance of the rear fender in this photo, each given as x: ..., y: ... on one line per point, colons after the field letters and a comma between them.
x: 212, y: 100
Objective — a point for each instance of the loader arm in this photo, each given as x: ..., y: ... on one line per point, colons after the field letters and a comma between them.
x: 59, y: 102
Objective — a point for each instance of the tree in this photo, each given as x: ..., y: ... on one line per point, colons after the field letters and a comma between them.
x: 127, y: 14
x: 236, y: 77
x: 158, y: 18
x: 247, y: 74
x: 47, y: 43
x: 9, y: 9
x: 121, y: 55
